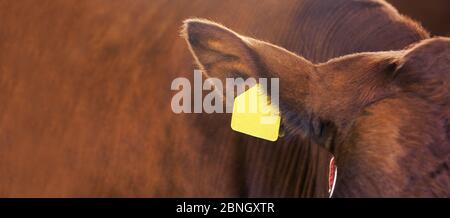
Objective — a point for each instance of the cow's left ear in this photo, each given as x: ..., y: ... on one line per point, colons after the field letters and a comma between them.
x: 220, y: 52
x: 425, y: 68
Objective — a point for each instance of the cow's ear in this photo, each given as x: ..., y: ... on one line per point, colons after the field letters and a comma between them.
x: 425, y: 68
x: 220, y: 52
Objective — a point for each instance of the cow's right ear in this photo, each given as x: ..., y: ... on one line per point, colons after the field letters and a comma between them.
x: 425, y: 69
x: 220, y: 52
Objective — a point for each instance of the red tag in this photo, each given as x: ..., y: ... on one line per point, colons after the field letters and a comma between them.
x: 332, y: 176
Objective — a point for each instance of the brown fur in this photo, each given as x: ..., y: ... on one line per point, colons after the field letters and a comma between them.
x: 85, y: 100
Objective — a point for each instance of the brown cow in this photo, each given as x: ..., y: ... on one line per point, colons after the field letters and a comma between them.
x: 85, y: 100
x: 384, y: 115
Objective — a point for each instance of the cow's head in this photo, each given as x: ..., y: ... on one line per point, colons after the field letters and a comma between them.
x: 323, y: 100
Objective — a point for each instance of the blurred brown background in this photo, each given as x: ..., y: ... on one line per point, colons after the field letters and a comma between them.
x: 434, y: 15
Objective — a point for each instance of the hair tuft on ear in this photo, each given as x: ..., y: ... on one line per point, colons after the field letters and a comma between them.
x: 393, y: 65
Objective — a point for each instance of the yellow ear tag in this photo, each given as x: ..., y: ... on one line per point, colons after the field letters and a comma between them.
x: 254, y: 115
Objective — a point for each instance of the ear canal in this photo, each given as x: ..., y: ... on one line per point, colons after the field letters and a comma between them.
x: 393, y: 65
x: 220, y: 52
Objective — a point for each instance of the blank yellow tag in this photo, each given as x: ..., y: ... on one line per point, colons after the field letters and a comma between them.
x: 254, y: 115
